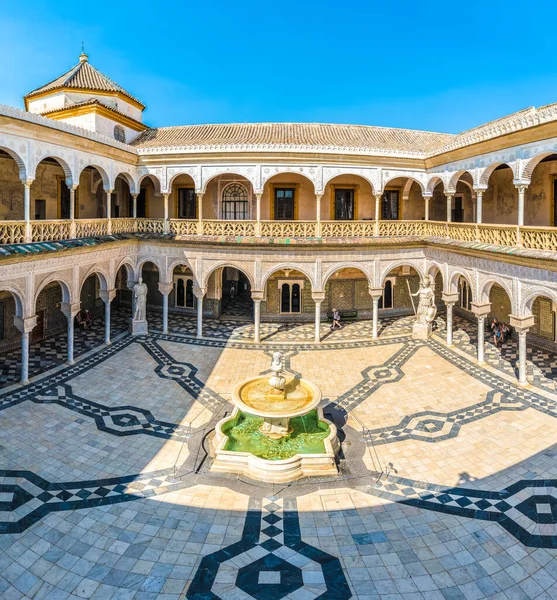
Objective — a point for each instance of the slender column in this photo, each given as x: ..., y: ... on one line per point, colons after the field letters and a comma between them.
x: 426, y: 208
x: 449, y: 208
x: 521, y: 192
x: 199, y: 293
x: 258, y: 214
x: 479, y: 199
x: 521, y: 325
x: 450, y: 300
x: 70, y: 310
x: 377, y: 212
x: 27, y: 209
x: 25, y: 326
x: 109, y: 209
x: 107, y: 296
x: 257, y: 321
x: 199, y: 213
x: 165, y: 289
x: 134, y: 207
x: 165, y: 198
x: 481, y: 343
x: 318, y: 213
x: 72, y: 211
x: 376, y: 294
x: 318, y: 298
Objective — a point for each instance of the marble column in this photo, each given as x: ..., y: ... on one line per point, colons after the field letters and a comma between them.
x: 318, y: 214
x: 318, y: 298
x: 258, y: 214
x: 377, y: 212
x: 376, y: 294
x: 199, y: 213
x: 25, y: 326
x: 521, y: 193
x: 450, y: 300
x: 522, y: 325
x: 165, y: 289
x: 109, y: 210
x: 134, y: 208
x: 481, y: 310
x: 199, y: 293
x: 107, y: 296
x: 27, y: 209
x: 479, y: 201
x: 70, y: 310
x: 449, y: 208
x: 72, y: 211
x: 257, y: 321
x: 426, y: 208
x: 165, y: 200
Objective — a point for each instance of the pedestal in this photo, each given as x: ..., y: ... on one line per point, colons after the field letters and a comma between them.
x: 422, y: 331
x: 138, y: 327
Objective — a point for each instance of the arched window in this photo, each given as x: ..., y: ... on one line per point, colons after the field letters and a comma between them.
x: 291, y: 297
x: 234, y: 202
x: 386, y: 300
x: 119, y: 133
x: 183, y: 287
x: 464, y: 295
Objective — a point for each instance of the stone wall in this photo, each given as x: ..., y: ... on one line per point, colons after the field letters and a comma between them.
x: 500, y: 304
x: 542, y: 309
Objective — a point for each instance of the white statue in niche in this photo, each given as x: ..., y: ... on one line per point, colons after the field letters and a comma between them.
x: 140, y: 300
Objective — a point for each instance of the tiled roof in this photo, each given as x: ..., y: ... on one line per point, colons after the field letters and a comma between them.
x: 92, y: 102
x: 84, y: 77
x: 283, y: 136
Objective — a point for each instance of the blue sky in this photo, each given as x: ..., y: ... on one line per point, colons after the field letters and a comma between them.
x: 439, y: 66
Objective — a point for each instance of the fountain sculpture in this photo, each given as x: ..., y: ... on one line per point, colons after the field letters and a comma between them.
x: 276, y: 432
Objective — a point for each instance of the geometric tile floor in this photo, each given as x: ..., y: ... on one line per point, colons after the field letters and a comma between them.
x: 447, y: 484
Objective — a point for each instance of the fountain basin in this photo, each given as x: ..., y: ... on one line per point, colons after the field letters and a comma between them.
x: 278, y: 470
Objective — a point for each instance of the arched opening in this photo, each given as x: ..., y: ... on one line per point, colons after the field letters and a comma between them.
x: 438, y: 202
x: 402, y: 199
x: 540, y: 201
x: 91, y: 200
x: 121, y: 198
x: 464, y: 294
x: 11, y: 189
x: 347, y: 198
x: 287, y: 297
x: 499, y: 316
x: 10, y: 338
x: 151, y: 277
x: 149, y: 200
x: 50, y: 196
x: 236, y: 294
x: 288, y: 197
x: 347, y: 290
x: 464, y: 200
x: 396, y: 305
x: 183, y: 199
x: 182, y: 298
x: 235, y: 205
x: 544, y: 310
x: 500, y: 200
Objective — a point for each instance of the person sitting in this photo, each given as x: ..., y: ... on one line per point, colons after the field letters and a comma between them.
x: 336, y: 320
x: 81, y: 320
x: 88, y: 319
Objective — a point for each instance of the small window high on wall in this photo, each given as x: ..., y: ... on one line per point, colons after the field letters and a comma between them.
x: 119, y: 133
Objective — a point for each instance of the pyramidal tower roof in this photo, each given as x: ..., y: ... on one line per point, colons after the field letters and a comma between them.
x: 83, y: 77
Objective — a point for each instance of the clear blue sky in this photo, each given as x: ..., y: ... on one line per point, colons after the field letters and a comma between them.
x: 439, y: 66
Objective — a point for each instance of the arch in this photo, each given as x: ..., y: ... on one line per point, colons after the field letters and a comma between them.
x: 486, y: 173
x: 234, y: 173
x: 454, y: 277
x: 527, y: 303
x: 141, y: 263
x: 18, y: 160
x: 175, y: 176
x: 396, y: 265
x: 63, y: 164
x: 129, y: 266
x: 455, y: 178
x: 129, y: 180
x: 291, y: 267
x: 435, y: 269
x: 104, y: 175
x: 154, y: 179
x: 104, y: 278
x: 287, y: 171
x: 485, y: 289
x: 351, y: 174
x: 399, y: 176
x: 337, y: 268
x: 18, y: 295
x: 177, y: 263
x: 232, y: 265
x: 533, y: 163
x: 433, y: 183
x: 65, y: 285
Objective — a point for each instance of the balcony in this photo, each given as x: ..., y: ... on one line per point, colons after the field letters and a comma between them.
x: 534, y: 238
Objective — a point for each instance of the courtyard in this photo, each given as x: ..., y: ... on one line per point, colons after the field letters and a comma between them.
x: 106, y: 490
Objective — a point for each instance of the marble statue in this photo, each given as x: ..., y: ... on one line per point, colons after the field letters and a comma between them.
x: 277, y: 380
x: 426, y: 311
x: 138, y: 323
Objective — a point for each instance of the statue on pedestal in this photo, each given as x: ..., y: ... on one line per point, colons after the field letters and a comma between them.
x: 138, y: 324
x: 426, y: 311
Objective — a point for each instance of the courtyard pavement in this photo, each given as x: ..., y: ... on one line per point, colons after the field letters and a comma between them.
x: 447, y: 485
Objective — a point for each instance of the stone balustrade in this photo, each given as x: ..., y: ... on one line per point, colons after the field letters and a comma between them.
x: 535, y: 238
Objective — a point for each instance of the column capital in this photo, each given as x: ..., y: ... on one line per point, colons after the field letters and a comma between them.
x: 378, y: 194
x: 27, y: 182
x: 257, y: 295
x: 481, y: 309
x: 109, y: 191
x: 449, y: 298
x: 25, y: 324
x: 480, y: 189
x: 199, y: 292
x: 375, y: 292
x: 165, y: 288
x: 318, y: 296
x: 70, y: 309
x: 135, y: 194
x: 521, y: 324
x: 107, y: 295
x: 521, y: 184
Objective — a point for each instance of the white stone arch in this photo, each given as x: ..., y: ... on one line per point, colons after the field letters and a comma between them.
x: 454, y: 278
x: 433, y: 268
x: 178, y: 173
x: 177, y: 263
x: 455, y: 178
x: 129, y: 179
x: 488, y: 282
x: 347, y: 265
x: 487, y: 172
x: 103, y: 276
x: 233, y: 265
x: 352, y: 173
x: 63, y: 164
x: 20, y: 162
x: 404, y: 176
x: 145, y: 259
x: 533, y: 162
x: 243, y: 178
x: 292, y: 171
x: 65, y: 284
x: 433, y: 182
x: 155, y: 180
x: 19, y: 298
x: 102, y: 172
x: 129, y: 265
x: 537, y: 292
x: 400, y: 263
x: 292, y: 267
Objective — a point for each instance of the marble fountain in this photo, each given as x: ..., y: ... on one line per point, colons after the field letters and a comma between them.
x: 276, y: 432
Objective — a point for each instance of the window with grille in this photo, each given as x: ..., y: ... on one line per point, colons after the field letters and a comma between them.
x: 235, y: 202
x: 187, y: 203
x: 284, y: 204
x: 344, y: 205
x: 119, y: 133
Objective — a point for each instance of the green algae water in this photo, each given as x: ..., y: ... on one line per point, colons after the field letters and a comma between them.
x: 306, y: 438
